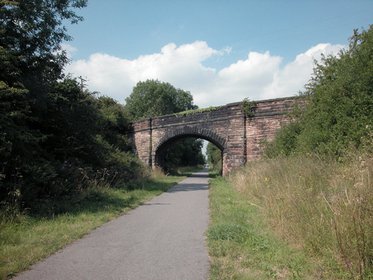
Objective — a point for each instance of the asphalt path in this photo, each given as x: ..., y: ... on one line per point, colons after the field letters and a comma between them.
x: 162, y: 239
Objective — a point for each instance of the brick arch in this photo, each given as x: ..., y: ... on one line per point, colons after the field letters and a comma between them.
x: 187, y: 131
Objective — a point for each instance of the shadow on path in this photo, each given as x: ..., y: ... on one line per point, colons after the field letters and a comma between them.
x: 196, y: 182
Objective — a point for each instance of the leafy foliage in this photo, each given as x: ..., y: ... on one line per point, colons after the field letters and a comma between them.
x: 248, y: 107
x: 55, y: 138
x: 154, y: 98
x: 339, y: 114
x: 214, y: 157
x: 79, y: 141
x: 32, y: 33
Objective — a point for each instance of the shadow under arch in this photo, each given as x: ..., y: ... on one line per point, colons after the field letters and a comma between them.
x: 173, y: 136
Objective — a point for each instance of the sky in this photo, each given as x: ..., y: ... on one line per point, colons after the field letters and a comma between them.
x: 221, y: 51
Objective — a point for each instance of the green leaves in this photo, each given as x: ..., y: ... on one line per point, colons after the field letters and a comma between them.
x: 80, y: 139
x: 248, y: 108
x: 154, y: 98
x: 31, y: 37
x: 55, y: 137
x: 339, y: 113
x: 214, y: 157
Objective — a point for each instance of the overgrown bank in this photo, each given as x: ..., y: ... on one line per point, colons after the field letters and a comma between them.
x: 242, y: 246
x: 322, y: 209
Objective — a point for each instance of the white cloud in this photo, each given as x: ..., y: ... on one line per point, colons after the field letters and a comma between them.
x: 257, y: 77
x: 293, y: 76
x: 69, y: 49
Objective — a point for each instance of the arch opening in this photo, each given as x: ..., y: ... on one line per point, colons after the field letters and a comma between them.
x: 164, y: 156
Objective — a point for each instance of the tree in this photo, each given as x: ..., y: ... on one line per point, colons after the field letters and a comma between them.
x: 30, y: 42
x: 32, y: 32
x: 31, y: 60
x: 115, y: 123
x: 339, y: 112
x: 55, y: 137
x: 154, y: 98
x: 214, y: 157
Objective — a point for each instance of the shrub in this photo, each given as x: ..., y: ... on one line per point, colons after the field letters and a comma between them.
x: 339, y: 114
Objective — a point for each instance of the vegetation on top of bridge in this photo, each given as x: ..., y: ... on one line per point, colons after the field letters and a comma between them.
x: 197, y: 111
x: 185, y: 113
x: 248, y: 107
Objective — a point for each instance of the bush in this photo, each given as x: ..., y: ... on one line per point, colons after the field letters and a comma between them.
x: 338, y: 116
x: 79, y: 142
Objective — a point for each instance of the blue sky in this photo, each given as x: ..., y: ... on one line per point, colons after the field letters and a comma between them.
x: 221, y: 51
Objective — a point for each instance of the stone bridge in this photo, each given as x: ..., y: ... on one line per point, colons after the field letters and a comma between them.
x: 237, y: 129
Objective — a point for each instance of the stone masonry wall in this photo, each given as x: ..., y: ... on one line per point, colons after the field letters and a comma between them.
x: 142, y: 137
x: 270, y: 115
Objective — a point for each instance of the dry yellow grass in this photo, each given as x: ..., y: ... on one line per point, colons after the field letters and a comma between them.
x: 323, y: 207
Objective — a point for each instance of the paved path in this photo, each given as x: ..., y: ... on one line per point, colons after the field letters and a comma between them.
x: 162, y: 239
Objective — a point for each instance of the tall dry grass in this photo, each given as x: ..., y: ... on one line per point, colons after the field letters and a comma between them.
x: 324, y: 207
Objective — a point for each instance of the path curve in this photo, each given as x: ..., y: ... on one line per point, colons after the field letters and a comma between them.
x: 162, y: 239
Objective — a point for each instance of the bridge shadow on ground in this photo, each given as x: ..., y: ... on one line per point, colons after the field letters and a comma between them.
x: 191, y: 185
x: 199, y: 175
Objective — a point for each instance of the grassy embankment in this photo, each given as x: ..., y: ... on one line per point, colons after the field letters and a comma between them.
x: 27, y: 238
x: 293, y: 218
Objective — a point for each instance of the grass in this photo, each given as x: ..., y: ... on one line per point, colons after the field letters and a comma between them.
x: 213, y: 173
x: 321, y: 207
x: 241, y: 246
x: 30, y: 238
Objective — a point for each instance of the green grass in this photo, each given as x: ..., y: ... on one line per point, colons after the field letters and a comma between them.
x: 30, y: 238
x: 322, y: 207
x: 241, y: 246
